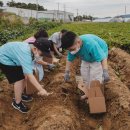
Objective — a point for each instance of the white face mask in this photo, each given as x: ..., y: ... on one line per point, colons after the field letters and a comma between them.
x: 74, y: 52
x: 37, y: 56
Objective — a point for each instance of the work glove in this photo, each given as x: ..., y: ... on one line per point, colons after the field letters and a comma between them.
x: 51, y: 66
x: 67, y: 75
x: 60, y: 55
x: 106, y: 75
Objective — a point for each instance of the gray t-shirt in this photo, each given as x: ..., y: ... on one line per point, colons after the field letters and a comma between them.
x: 56, y: 39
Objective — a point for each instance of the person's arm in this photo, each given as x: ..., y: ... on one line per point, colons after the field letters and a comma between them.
x: 70, y: 59
x: 50, y: 66
x: 42, y: 62
x: 105, y: 70
x: 99, y: 55
x: 33, y: 80
x: 56, y: 50
x: 68, y: 65
x: 104, y: 64
x: 67, y: 71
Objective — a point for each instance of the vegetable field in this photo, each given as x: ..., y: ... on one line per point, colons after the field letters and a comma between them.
x: 63, y: 110
x: 116, y: 34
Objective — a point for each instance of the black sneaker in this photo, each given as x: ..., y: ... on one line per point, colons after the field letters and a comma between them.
x: 21, y: 107
x: 26, y: 98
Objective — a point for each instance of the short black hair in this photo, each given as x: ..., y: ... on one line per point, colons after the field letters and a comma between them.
x: 64, y: 31
x: 41, y: 33
x: 44, y: 45
x: 68, y: 39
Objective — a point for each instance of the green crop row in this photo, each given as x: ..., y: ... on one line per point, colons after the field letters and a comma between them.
x: 115, y: 34
x: 23, y: 31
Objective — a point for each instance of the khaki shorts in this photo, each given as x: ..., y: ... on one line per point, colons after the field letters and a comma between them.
x: 91, y: 71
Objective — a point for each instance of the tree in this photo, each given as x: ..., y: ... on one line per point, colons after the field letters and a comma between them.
x: 1, y: 3
x: 11, y: 4
x: 25, y: 6
x: 80, y: 18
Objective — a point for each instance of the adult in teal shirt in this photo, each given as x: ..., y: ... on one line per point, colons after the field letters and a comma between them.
x: 16, y: 63
x: 93, y: 52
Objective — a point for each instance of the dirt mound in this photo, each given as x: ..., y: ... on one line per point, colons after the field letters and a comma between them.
x: 63, y: 110
x: 58, y: 111
x: 120, y: 62
x: 118, y: 100
x: 56, y: 117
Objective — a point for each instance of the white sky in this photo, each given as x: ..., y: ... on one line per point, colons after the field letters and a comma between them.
x: 98, y: 8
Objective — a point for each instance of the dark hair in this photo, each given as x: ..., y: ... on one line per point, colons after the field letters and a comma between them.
x: 44, y: 45
x: 68, y: 39
x: 41, y: 33
x: 63, y: 31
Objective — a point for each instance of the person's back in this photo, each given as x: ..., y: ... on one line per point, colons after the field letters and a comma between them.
x: 16, y: 64
x: 86, y: 38
x: 56, y: 39
x: 16, y: 54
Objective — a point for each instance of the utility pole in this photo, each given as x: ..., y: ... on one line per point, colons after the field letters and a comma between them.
x: 64, y: 12
x: 58, y: 11
x: 36, y: 9
x: 125, y: 10
x: 77, y: 14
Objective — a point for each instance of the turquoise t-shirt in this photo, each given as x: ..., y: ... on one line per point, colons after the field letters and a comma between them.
x: 93, y: 49
x: 17, y: 54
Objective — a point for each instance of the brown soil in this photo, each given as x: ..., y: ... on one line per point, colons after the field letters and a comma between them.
x: 120, y: 62
x: 63, y: 110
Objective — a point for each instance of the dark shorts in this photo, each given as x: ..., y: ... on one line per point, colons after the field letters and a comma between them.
x: 12, y: 73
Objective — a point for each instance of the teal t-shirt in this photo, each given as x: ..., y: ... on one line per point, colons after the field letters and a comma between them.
x: 93, y: 49
x: 17, y: 54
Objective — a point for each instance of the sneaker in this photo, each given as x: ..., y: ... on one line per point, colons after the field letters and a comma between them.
x: 21, y: 107
x: 26, y: 98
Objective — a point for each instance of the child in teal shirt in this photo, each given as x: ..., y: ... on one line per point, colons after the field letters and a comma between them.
x: 93, y: 52
x: 16, y: 63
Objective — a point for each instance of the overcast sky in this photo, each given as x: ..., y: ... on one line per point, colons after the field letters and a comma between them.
x: 99, y: 8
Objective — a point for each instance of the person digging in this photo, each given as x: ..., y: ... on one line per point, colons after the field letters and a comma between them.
x: 16, y: 63
x: 56, y: 40
x: 93, y: 51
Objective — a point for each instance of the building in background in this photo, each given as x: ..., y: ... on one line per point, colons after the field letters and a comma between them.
x: 126, y: 17
x: 103, y: 20
x: 55, y: 15
x: 119, y: 19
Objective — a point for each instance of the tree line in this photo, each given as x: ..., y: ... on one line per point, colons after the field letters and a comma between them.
x: 24, y: 5
x: 1, y: 3
x: 84, y: 17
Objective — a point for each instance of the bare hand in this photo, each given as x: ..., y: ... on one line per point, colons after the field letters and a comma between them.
x: 43, y: 92
x: 39, y: 62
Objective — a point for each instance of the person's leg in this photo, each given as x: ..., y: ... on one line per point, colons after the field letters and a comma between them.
x: 26, y: 97
x: 18, y: 90
x: 96, y: 71
x: 15, y: 76
x: 85, y: 73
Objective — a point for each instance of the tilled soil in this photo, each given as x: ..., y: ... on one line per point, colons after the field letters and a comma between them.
x: 120, y: 62
x: 63, y: 110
